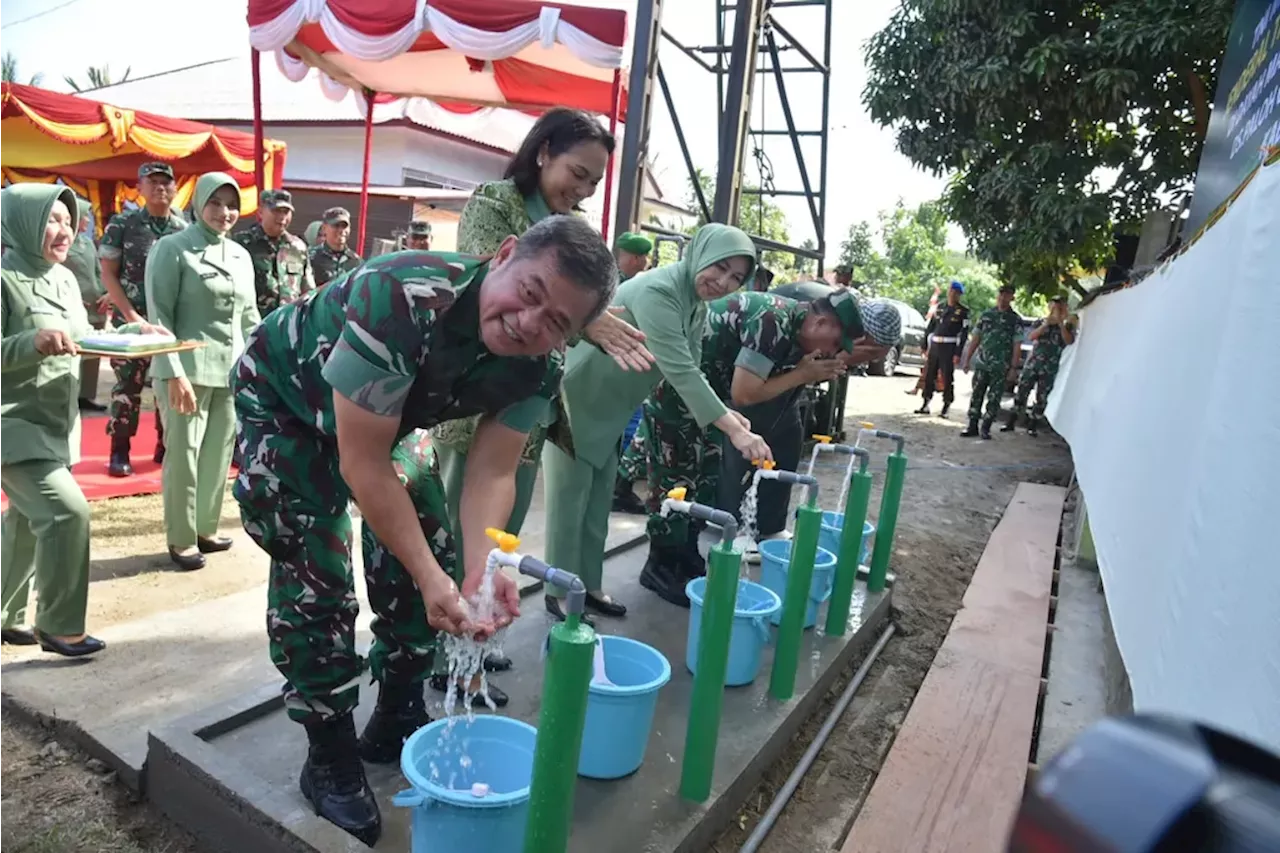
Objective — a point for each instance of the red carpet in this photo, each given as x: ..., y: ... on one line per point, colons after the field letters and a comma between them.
x: 95, y: 452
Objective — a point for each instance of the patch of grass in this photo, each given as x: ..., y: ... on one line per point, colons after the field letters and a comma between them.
x: 87, y: 835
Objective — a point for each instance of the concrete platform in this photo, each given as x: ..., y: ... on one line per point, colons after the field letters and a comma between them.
x: 172, y: 664
x: 229, y: 772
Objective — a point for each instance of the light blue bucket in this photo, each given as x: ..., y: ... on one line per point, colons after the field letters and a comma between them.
x: 829, y: 535
x: 749, y: 634
x: 620, y: 715
x: 442, y: 765
x: 775, y: 559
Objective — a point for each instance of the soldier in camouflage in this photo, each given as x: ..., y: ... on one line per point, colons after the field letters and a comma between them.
x: 331, y: 257
x: 333, y: 397
x: 281, y: 269
x: 1050, y: 338
x: 123, y: 254
x: 419, y: 236
x: 996, y: 339
x: 756, y: 347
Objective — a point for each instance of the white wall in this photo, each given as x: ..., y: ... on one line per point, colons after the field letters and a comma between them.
x: 1170, y: 400
x: 336, y: 154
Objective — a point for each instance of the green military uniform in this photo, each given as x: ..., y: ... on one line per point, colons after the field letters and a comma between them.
x: 46, y: 529
x: 200, y: 287
x: 281, y: 265
x: 128, y: 238
x: 758, y: 332
x: 600, y: 398
x: 1039, y: 372
x: 364, y: 336
x: 998, y: 330
x: 495, y: 211
x: 326, y: 263
x: 82, y: 260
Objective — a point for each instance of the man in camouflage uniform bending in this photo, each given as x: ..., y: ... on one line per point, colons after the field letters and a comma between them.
x: 756, y: 347
x: 1050, y: 338
x: 281, y: 270
x: 123, y: 252
x: 333, y: 397
x: 996, y: 339
x: 331, y: 257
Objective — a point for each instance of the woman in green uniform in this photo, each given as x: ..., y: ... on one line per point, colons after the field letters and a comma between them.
x: 200, y: 285
x: 82, y: 260
x: 559, y: 165
x: 46, y: 530
x: 669, y: 306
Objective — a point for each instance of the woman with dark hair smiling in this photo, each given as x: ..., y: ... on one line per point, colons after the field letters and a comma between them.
x: 559, y: 165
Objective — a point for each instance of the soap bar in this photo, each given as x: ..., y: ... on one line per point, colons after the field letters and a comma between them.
x: 479, y: 789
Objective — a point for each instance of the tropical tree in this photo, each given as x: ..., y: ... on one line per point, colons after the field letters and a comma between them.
x: 1059, y: 122
x: 757, y: 215
x: 97, y: 78
x: 9, y: 71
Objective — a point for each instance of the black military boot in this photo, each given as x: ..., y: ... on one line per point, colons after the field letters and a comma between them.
x: 664, y: 573
x: 924, y: 408
x: 694, y: 563
x: 1033, y: 427
x: 971, y: 430
x: 401, y: 711
x: 625, y: 500
x: 119, y: 465
x: 1010, y: 422
x: 333, y: 779
x: 985, y: 432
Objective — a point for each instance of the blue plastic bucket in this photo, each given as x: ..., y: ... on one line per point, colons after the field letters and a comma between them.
x: 750, y: 633
x: 775, y: 559
x: 620, y: 715
x: 829, y: 535
x: 443, y: 764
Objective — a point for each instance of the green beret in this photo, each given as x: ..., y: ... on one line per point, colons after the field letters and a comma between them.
x: 636, y: 244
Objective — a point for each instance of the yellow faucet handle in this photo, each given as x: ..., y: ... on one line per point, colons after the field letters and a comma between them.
x: 506, y: 542
x: 868, y: 425
x: 766, y: 464
x: 822, y: 439
x: 678, y: 493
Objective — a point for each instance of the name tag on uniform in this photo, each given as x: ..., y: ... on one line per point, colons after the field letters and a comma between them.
x: 205, y: 276
x: 42, y: 309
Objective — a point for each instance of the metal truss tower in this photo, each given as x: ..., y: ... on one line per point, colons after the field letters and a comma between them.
x: 753, y: 41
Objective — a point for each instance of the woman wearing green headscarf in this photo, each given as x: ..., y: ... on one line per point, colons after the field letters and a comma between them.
x: 200, y: 285
x: 312, y: 234
x: 46, y: 530
x: 82, y: 260
x: 669, y: 305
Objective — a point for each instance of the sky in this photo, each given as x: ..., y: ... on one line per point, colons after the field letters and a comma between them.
x: 865, y: 173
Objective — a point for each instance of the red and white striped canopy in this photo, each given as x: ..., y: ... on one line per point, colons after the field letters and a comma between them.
x: 521, y: 54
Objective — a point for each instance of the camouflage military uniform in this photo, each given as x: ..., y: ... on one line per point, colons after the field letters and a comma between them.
x: 634, y: 464
x: 1040, y: 370
x: 128, y: 238
x: 281, y: 268
x: 998, y: 330
x: 399, y: 337
x: 753, y: 330
x: 326, y: 264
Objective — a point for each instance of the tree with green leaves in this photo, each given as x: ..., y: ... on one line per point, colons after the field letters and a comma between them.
x: 1059, y: 122
x: 9, y: 71
x: 757, y: 215
x: 97, y: 78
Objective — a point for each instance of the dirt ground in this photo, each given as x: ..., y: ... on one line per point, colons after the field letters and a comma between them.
x: 956, y: 490
x: 55, y: 799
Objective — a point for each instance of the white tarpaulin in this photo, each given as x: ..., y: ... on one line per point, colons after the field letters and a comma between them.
x: 1170, y: 400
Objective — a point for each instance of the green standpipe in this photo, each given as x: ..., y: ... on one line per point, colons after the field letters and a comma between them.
x: 804, y: 550
x: 565, y: 684
x: 886, y: 524
x: 855, y: 517
x: 703, y: 732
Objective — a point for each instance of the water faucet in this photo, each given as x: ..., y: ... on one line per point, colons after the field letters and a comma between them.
x: 675, y: 502
x: 505, y: 555
x: 894, y: 437
x: 769, y: 471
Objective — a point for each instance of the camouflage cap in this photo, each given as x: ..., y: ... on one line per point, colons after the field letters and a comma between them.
x: 420, y: 228
x: 882, y: 321
x: 845, y: 306
x: 146, y: 170
x: 273, y: 199
x: 334, y: 215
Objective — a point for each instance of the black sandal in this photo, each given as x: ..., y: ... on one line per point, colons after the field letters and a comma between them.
x: 605, y: 605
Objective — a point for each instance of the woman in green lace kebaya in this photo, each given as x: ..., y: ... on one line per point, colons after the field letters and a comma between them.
x: 559, y: 165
